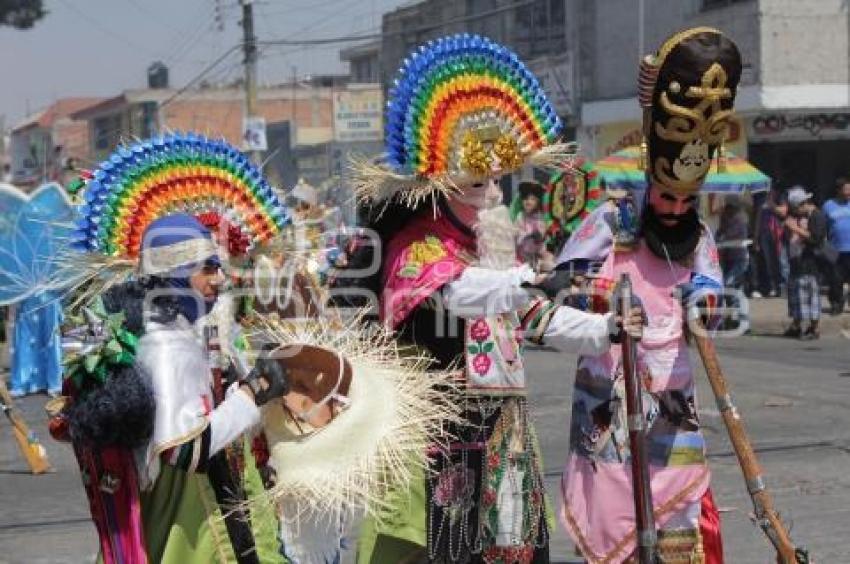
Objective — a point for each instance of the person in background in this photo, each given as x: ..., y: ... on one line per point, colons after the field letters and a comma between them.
x: 529, y: 223
x: 7, y: 173
x: 805, y: 229
x: 36, y: 354
x: 768, y: 245
x: 731, y: 238
x: 837, y: 212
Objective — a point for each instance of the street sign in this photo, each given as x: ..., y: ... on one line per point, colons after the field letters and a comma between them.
x: 254, y: 134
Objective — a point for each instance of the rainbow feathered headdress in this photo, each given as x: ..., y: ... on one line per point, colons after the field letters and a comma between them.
x: 458, y: 104
x: 175, y: 173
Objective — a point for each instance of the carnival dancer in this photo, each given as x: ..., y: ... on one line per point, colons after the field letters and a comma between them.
x: 185, y: 476
x: 687, y: 90
x: 36, y: 352
x: 449, y: 284
x: 148, y: 416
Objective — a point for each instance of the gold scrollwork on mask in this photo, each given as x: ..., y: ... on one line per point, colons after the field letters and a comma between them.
x: 707, y: 120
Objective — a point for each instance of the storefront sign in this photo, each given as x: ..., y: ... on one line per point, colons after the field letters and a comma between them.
x: 358, y: 115
x: 801, y: 127
x: 610, y: 138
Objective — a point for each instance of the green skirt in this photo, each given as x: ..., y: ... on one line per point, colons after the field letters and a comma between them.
x: 183, y: 522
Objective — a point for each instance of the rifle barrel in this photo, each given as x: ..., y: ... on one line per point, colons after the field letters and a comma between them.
x: 764, y: 510
x: 644, y: 515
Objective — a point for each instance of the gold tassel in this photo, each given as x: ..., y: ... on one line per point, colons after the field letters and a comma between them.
x: 721, y: 157
x: 643, y: 157
x: 646, y: 128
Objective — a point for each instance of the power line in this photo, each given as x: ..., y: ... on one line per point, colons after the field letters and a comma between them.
x: 187, y: 41
x: 345, y: 39
x: 323, y: 41
x: 312, y: 6
x: 105, y: 29
x: 153, y: 16
x: 201, y: 74
x: 372, y: 36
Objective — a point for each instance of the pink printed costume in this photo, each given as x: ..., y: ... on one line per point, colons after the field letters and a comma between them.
x: 597, y: 505
x: 687, y: 89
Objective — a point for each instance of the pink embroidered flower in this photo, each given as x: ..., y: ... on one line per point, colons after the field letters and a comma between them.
x: 455, y: 486
x: 489, y: 497
x: 587, y: 230
x: 480, y: 331
x: 713, y: 256
x: 481, y: 364
x: 493, y: 461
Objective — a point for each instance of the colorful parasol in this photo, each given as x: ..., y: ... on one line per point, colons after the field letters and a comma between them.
x: 621, y: 170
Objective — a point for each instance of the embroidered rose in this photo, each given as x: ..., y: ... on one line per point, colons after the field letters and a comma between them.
x: 587, y: 230
x: 489, y: 497
x: 714, y: 256
x: 481, y: 364
x: 455, y: 486
x: 493, y: 461
x: 480, y: 331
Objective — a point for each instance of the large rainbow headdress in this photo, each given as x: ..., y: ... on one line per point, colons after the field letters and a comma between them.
x: 457, y: 103
x: 175, y: 173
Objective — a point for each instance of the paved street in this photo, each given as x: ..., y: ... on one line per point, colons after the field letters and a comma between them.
x: 794, y: 397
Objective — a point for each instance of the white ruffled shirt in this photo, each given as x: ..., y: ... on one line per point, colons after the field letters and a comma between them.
x: 173, y: 359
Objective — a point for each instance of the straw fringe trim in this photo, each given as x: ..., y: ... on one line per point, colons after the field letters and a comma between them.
x: 375, y: 182
x: 331, y: 475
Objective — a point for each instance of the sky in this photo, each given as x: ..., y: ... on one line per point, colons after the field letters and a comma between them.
x: 101, y: 47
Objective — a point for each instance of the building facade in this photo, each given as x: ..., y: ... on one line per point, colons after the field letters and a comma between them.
x: 142, y: 113
x: 793, y: 104
x: 47, y: 145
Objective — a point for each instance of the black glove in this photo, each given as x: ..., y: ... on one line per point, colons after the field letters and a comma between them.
x: 269, y: 371
x: 268, y: 476
x: 557, y: 284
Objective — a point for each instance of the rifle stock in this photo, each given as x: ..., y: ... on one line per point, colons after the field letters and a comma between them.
x: 28, y: 444
x: 765, y: 513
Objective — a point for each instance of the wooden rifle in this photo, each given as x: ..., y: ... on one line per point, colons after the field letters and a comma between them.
x: 33, y: 451
x: 765, y: 513
x: 647, y: 537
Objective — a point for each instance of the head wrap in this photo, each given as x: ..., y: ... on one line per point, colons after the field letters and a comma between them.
x: 174, y: 247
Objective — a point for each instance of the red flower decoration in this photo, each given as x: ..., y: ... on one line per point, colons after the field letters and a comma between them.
x: 493, y: 461
x: 481, y: 363
x: 480, y: 331
x: 489, y: 497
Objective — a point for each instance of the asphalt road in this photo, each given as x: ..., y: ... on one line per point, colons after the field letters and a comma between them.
x: 794, y: 398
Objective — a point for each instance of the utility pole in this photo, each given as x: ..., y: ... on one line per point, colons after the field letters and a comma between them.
x: 249, y: 47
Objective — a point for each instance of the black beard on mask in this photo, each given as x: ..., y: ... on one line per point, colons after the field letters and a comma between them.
x: 670, y: 241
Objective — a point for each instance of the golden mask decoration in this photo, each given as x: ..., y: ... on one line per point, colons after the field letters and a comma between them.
x: 479, y: 146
